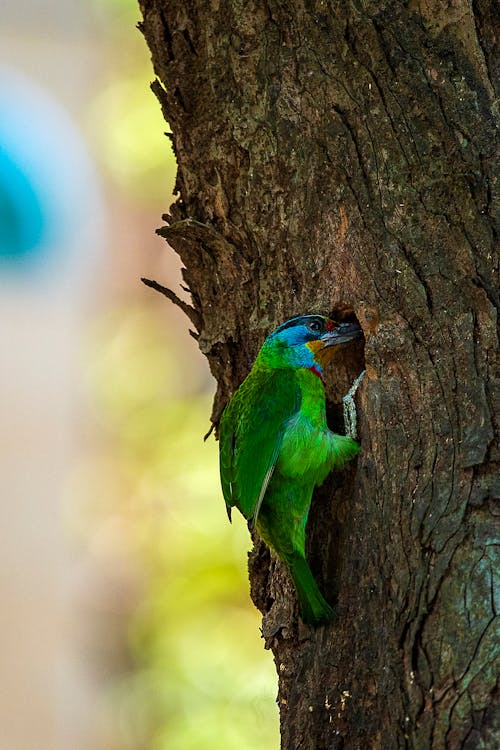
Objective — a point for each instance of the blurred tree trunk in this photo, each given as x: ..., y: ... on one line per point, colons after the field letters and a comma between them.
x: 338, y: 158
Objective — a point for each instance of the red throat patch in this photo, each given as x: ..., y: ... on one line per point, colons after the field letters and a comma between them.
x: 316, y: 371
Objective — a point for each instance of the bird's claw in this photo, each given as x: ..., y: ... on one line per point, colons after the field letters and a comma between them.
x: 350, y: 418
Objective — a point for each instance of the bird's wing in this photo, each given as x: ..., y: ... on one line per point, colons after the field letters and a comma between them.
x: 251, y: 431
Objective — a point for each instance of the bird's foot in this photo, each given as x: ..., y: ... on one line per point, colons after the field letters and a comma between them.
x: 350, y: 417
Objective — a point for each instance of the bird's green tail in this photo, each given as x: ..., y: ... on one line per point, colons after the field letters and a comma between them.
x: 314, y: 609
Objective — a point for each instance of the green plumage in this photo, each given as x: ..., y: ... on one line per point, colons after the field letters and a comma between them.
x: 275, y: 447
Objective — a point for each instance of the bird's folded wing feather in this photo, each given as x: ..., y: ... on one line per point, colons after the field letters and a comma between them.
x: 251, y: 431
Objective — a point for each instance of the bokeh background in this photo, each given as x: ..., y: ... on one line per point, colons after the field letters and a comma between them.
x: 126, y: 620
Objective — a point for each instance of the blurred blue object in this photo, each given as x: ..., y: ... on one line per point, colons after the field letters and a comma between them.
x: 21, y: 215
x: 50, y: 198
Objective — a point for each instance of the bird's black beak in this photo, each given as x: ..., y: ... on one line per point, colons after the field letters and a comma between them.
x: 342, y: 333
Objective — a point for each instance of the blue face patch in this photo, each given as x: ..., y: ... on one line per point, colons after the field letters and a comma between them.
x: 292, y: 342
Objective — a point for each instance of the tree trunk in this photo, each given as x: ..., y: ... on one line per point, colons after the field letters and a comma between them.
x: 338, y: 158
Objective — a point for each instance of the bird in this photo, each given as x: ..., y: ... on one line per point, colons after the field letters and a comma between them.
x: 275, y: 445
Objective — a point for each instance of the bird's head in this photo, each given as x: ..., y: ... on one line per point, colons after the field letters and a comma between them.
x: 306, y: 341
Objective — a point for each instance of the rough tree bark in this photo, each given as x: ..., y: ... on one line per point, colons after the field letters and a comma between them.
x: 337, y: 157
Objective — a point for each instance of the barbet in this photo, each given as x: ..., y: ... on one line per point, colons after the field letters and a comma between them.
x: 276, y: 447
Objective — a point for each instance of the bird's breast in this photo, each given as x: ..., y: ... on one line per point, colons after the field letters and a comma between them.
x: 304, y: 450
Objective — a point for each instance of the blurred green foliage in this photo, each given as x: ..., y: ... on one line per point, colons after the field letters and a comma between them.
x: 199, y: 676
x: 125, y: 119
x: 195, y: 673
x: 120, y: 116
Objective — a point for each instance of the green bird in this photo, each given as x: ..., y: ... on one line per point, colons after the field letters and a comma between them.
x: 276, y: 447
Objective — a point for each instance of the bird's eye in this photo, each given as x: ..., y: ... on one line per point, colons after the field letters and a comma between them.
x: 315, y: 326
